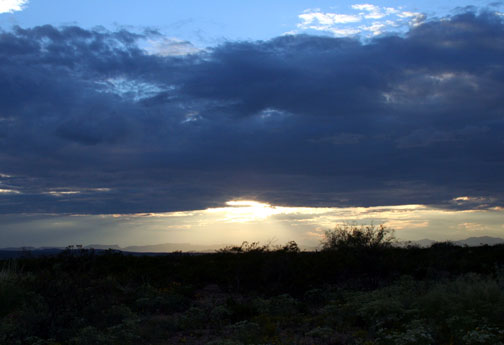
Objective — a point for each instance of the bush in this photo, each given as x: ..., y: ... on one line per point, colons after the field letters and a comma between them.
x: 355, y: 236
x: 245, y: 331
x: 415, y: 333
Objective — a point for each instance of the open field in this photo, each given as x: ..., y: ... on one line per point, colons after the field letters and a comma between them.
x: 444, y: 294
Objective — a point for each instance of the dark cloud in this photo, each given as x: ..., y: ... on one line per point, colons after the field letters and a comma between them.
x: 297, y: 120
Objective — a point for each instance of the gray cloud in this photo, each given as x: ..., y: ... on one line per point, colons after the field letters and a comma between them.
x: 296, y: 120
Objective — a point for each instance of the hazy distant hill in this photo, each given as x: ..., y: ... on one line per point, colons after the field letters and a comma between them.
x: 173, y: 247
x: 103, y: 246
x: 200, y: 248
x: 471, y: 241
x: 478, y: 241
x: 9, y: 253
x: 421, y: 243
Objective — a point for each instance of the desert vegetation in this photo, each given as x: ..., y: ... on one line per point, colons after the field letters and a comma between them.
x: 357, y: 289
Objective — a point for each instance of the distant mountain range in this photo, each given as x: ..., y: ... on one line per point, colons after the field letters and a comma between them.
x: 162, y: 248
x: 471, y: 242
x: 479, y: 241
x: 200, y: 248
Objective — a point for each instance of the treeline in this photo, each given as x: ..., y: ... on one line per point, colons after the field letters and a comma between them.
x: 357, y: 289
x: 262, y: 269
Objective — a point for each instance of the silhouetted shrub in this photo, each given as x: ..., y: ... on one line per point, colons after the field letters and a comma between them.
x: 361, y: 287
x: 443, y: 245
x: 354, y: 236
x: 245, y: 331
x: 246, y: 247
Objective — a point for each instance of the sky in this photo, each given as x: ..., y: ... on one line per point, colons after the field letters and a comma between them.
x: 143, y: 122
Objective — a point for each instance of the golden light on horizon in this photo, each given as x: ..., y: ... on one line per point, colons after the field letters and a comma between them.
x: 239, y: 220
x: 249, y: 203
x: 242, y: 211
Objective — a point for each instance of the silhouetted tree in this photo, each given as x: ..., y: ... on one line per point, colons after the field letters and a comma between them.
x: 354, y: 236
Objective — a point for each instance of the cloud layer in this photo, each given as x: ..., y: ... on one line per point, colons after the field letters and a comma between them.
x: 92, y: 123
x: 367, y: 20
x: 9, y: 6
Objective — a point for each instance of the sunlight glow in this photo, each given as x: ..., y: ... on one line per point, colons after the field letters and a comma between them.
x: 251, y: 220
x: 9, y: 191
x: 462, y: 198
x: 63, y: 193
x: 242, y: 211
x: 249, y: 203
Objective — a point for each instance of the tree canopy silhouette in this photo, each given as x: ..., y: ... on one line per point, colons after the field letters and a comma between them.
x: 358, y: 236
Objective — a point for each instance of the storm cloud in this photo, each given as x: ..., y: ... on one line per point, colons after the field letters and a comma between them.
x: 92, y: 123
